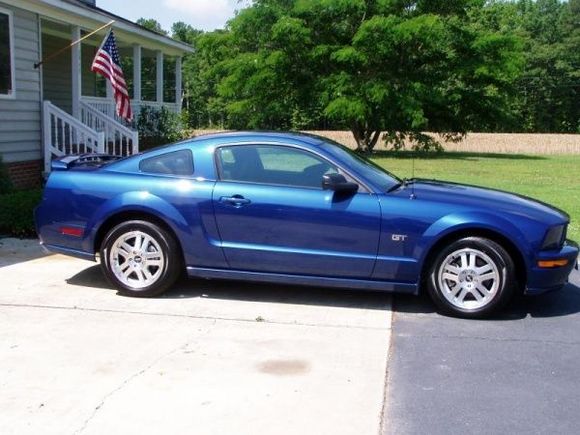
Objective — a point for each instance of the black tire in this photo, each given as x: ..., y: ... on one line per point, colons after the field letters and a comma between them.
x: 477, y: 302
x: 162, y: 248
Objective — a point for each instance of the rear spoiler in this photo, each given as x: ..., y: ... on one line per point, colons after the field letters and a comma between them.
x: 87, y: 160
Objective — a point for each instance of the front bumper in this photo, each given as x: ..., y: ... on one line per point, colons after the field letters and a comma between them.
x: 541, y: 280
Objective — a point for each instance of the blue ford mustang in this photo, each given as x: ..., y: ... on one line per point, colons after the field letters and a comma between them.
x: 299, y: 209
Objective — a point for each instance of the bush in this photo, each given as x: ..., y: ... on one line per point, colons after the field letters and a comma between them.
x: 16, y: 212
x: 158, y: 127
x: 5, y: 183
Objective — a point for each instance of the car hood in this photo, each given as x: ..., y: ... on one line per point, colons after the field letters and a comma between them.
x: 483, y: 199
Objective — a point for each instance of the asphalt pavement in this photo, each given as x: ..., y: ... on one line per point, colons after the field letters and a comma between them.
x: 518, y: 373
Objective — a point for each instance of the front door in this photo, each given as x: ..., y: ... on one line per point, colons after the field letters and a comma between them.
x: 273, y: 215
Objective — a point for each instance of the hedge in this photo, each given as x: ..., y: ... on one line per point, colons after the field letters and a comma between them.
x: 16, y: 212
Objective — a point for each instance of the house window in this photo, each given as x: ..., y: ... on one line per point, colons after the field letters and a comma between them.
x: 169, y: 79
x: 6, y: 55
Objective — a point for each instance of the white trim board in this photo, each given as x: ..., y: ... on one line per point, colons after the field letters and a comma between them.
x: 88, y: 18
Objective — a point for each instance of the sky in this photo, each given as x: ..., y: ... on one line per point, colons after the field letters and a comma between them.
x: 201, y: 14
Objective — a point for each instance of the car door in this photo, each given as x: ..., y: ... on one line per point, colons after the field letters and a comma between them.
x: 273, y: 215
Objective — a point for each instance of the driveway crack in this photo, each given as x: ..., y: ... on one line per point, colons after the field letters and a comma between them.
x: 133, y: 376
x: 390, y: 351
x: 190, y: 316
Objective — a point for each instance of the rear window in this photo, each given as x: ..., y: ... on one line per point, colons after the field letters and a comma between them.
x: 174, y: 163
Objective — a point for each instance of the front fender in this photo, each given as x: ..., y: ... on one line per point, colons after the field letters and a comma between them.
x: 457, y: 222
x: 134, y: 201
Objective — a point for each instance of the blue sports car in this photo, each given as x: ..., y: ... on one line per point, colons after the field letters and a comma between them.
x: 299, y: 209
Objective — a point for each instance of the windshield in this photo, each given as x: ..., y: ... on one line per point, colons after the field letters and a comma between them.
x: 378, y: 176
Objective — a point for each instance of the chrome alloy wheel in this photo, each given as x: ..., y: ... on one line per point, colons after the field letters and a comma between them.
x: 468, y: 278
x: 137, y: 259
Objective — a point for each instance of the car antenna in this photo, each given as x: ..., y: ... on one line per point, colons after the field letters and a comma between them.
x: 412, y: 196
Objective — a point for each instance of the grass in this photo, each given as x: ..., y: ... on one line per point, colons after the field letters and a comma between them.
x: 554, y: 179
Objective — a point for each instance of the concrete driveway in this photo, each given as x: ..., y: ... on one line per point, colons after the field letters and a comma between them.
x: 211, y: 357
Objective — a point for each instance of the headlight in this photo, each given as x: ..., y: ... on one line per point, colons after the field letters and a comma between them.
x: 554, y: 237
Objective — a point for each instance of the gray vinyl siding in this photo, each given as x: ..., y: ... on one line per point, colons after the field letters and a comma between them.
x: 57, y: 73
x: 20, y: 120
x: 93, y: 85
x: 88, y: 78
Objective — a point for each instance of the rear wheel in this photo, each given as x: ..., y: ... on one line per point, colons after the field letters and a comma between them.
x: 472, y: 277
x: 140, y: 258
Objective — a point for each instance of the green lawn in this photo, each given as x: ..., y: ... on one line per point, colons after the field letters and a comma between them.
x: 552, y: 179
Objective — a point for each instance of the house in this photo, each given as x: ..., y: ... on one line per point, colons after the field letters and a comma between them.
x: 62, y: 107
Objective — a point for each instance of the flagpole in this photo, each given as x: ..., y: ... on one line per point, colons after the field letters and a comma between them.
x: 72, y: 44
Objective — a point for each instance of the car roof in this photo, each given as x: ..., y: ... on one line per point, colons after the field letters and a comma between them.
x: 307, y: 138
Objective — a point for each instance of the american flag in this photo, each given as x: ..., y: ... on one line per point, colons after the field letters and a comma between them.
x: 108, y: 64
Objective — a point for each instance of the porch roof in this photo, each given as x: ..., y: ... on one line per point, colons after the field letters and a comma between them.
x: 92, y: 17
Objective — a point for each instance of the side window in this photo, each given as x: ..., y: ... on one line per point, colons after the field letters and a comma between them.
x: 267, y: 164
x: 6, y: 55
x: 174, y: 163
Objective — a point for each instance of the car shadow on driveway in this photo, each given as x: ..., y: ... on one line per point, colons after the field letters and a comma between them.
x: 555, y: 304
x: 251, y: 292
x: 560, y: 303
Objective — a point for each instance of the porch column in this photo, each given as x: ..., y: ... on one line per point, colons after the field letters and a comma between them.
x: 76, y: 72
x: 159, y: 77
x: 178, y: 83
x: 137, y: 72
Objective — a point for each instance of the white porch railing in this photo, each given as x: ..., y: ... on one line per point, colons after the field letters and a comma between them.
x: 103, y: 105
x: 119, y: 140
x: 64, y: 135
x: 106, y: 106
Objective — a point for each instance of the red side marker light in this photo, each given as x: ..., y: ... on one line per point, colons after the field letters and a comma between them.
x: 72, y: 231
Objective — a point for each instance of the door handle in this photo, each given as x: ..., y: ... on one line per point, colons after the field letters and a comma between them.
x: 235, y: 200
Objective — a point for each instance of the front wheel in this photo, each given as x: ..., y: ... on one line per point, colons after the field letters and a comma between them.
x: 472, y: 277
x: 140, y: 258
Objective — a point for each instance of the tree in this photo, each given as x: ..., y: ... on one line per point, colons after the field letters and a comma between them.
x: 265, y: 82
x: 400, y: 67
x: 550, y: 85
x: 549, y: 88
x: 201, y: 72
x: 194, y: 104
x: 184, y: 32
x: 152, y: 24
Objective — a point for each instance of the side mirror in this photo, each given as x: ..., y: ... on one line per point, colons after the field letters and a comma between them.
x: 338, y: 183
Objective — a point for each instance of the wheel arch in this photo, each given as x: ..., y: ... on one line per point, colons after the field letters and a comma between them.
x: 128, y: 215
x: 133, y: 205
x: 496, y: 236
